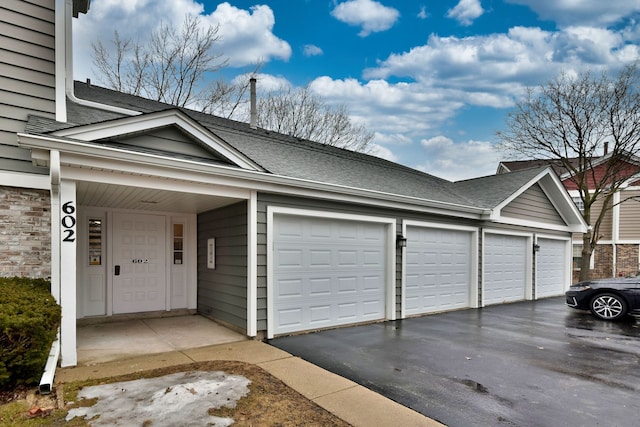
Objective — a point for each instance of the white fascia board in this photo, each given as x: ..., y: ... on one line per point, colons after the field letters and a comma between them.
x: 25, y: 180
x: 147, y: 122
x: 83, y: 155
x: 438, y: 225
x: 561, y: 200
x: 571, y: 228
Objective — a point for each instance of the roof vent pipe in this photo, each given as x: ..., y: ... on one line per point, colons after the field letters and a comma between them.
x: 252, y: 94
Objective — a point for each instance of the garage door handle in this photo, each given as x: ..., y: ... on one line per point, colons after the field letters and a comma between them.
x: 117, y: 272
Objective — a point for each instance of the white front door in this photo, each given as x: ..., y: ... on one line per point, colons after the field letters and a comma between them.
x: 139, y: 258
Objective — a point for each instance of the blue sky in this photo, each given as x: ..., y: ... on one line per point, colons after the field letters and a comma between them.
x: 433, y: 79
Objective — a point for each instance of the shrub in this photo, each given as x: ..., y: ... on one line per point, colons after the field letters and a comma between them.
x: 29, y: 321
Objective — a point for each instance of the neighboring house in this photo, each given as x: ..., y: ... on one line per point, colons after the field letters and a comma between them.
x: 618, y: 250
x: 132, y: 206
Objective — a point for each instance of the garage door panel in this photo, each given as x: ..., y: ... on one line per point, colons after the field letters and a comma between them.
x: 438, y: 269
x: 290, y: 288
x: 504, y: 268
x: 347, y: 312
x: 289, y: 318
x: 318, y: 258
x: 340, y: 273
x: 320, y: 286
x: 319, y: 314
x: 347, y: 285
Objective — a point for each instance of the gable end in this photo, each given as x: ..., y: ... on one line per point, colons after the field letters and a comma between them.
x: 533, y: 203
x: 172, y: 141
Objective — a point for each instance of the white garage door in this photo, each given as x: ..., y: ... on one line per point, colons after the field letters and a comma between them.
x: 551, y: 267
x: 504, y: 274
x: 327, y: 272
x: 438, y: 270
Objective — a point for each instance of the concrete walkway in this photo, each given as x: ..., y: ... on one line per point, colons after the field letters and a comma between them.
x: 349, y: 401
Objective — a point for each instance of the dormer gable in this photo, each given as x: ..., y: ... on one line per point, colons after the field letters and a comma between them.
x: 170, y: 133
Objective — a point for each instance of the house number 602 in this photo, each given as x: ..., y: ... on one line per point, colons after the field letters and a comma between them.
x: 68, y: 222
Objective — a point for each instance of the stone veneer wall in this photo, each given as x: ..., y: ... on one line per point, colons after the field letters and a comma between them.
x: 25, y: 232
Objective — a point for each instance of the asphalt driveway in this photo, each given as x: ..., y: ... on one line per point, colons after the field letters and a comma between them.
x: 523, y: 364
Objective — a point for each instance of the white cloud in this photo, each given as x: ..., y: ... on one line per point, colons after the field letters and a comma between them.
x: 423, y: 13
x: 312, y: 50
x: 583, y: 12
x: 466, y: 11
x: 371, y: 15
x: 401, y: 108
x: 382, y: 152
x: 246, y: 35
x: 458, y: 160
x: 391, y: 139
x: 587, y: 44
x: 267, y: 82
x: 494, y: 69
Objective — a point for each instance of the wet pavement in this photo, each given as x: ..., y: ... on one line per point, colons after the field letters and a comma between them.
x: 523, y: 364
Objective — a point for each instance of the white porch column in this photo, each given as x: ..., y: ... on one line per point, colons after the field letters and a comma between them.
x: 68, y: 242
x: 252, y: 265
x: 54, y: 172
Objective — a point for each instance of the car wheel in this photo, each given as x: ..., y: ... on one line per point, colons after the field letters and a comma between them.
x: 608, y: 307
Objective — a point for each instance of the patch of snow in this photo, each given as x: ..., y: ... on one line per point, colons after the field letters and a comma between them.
x: 172, y: 400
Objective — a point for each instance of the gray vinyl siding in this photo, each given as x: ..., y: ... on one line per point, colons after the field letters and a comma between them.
x: 172, y: 140
x: 27, y: 74
x: 533, y: 204
x: 222, y: 292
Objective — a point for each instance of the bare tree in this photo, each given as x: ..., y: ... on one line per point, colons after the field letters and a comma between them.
x: 169, y: 67
x: 174, y: 67
x: 302, y: 114
x: 591, y: 125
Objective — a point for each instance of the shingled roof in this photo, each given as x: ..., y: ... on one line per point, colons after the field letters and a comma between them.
x: 489, y: 191
x: 557, y: 165
x: 287, y: 156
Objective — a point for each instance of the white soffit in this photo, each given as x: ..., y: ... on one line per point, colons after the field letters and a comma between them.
x: 147, y: 122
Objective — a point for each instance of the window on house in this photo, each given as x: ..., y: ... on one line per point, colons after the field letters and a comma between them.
x: 577, y: 257
x: 95, y: 242
x: 178, y: 243
x: 579, y: 203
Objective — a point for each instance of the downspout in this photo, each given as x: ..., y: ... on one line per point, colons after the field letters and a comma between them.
x: 65, y: 44
x: 46, y: 381
x: 616, y: 231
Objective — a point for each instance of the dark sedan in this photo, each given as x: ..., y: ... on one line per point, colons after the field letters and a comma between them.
x: 607, y: 299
